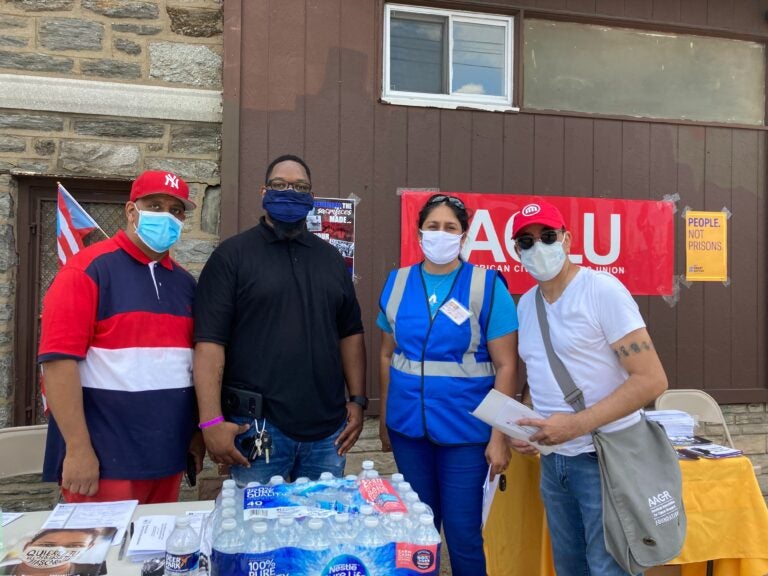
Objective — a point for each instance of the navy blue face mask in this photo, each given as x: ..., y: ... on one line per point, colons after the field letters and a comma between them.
x: 287, y: 205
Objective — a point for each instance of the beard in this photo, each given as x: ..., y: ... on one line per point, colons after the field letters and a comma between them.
x: 289, y: 230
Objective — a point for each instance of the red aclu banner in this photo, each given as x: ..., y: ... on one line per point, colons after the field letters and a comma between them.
x: 631, y: 239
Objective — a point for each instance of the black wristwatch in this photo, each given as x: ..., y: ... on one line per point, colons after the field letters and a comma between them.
x: 361, y: 400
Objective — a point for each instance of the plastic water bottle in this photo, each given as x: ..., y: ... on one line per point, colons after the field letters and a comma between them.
x: 227, y: 545
x: 403, y: 488
x: 366, y: 467
x: 286, y: 532
x: 426, y: 533
x: 230, y: 538
x: 325, y: 496
x: 343, y: 530
x: 326, y: 477
x: 182, y: 550
x: 276, y: 480
x: 371, y: 535
x: 347, y: 495
x: 227, y: 503
x: 315, y: 537
x: 396, y: 527
x: 301, y: 480
x: 415, y: 513
x: 229, y: 483
x: 396, y: 478
x: 260, y: 540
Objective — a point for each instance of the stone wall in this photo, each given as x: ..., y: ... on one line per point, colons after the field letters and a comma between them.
x: 79, y: 88
x: 748, y: 426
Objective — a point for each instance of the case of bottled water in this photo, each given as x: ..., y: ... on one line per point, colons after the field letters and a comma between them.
x: 352, y: 526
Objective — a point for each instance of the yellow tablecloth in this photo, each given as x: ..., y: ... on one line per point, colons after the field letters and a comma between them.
x: 727, y: 521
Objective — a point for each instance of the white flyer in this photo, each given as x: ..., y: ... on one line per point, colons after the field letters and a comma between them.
x: 94, y: 515
x: 502, y: 412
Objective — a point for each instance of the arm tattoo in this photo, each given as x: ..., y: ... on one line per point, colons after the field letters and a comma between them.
x: 633, y: 348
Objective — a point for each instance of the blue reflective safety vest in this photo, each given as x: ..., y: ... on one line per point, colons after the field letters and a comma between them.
x: 440, y: 371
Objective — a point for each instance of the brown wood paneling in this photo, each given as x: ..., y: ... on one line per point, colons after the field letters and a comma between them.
x: 717, y: 297
x: 287, y: 65
x: 578, y: 156
x: 638, y: 9
x: 744, y: 228
x: 693, y: 12
x: 518, y: 154
x: 456, y: 150
x: 390, y: 161
x: 323, y: 100
x: 254, y: 120
x: 690, y: 331
x: 585, y: 6
x: 231, y: 105
x: 607, y: 160
x: 314, y: 91
x: 611, y: 7
x: 487, y: 152
x: 356, y: 129
x: 635, y: 172
x: 666, y: 10
x: 720, y: 13
x: 662, y: 316
x: 548, y: 156
x: 761, y: 249
x: 423, y: 147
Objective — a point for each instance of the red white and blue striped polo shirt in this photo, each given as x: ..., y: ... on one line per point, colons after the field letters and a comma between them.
x: 128, y: 322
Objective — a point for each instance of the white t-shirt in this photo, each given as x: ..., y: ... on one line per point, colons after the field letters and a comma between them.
x: 593, y: 312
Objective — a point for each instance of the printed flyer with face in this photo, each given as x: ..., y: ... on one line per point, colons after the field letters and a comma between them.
x: 59, y: 552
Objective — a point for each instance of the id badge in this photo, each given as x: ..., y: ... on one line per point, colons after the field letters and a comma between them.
x: 455, y: 311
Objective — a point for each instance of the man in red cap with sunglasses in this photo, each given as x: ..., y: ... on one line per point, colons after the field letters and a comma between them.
x: 116, y: 349
x: 599, y: 335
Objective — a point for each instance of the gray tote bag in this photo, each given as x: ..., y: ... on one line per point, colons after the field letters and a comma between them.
x: 643, y: 516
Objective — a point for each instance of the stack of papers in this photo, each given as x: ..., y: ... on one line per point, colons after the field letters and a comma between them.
x: 149, y: 533
x: 677, y: 424
x: 715, y: 451
x: 94, y: 515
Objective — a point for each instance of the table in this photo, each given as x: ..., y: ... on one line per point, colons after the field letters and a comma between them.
x: 31, y: 522
x: 727, y: 522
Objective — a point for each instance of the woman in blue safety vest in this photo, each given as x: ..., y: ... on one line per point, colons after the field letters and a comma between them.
x: 449, y: 336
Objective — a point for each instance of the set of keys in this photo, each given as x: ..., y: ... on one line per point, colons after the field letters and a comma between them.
x: 260, y: 444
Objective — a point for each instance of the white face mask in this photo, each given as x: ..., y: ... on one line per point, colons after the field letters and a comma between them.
x: 440, y: 247
x: 543, y: 261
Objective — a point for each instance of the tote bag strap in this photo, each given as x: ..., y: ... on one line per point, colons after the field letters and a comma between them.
x: 572, y: 393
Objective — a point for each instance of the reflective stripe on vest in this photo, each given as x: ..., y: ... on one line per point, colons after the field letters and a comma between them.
x: 469, y: 367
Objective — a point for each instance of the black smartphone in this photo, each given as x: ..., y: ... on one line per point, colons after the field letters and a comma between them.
x: 240, y: 402
x: 191, y: 469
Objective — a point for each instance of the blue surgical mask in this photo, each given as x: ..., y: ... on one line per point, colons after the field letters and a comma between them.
x: 158, y: 230
x: 287, y: 205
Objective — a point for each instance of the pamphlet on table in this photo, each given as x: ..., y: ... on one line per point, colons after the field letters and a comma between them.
x: 56, y: 551
x: 94, y: 515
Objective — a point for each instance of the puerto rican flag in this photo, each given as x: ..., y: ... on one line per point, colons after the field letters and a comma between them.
x: 73, y: 224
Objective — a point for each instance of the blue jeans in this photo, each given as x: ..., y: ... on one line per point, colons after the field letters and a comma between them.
x: 450, y: 480
x: 570, y: 489
x: 288, y: 458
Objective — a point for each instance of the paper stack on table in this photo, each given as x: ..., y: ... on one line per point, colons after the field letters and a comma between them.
x: 149, y: 533
x: 94, y: 515
x: 715, y: 451
x: 677, y: 423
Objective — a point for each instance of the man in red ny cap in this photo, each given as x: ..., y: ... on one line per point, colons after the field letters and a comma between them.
x: 116, y: 349
x: 599, y: 335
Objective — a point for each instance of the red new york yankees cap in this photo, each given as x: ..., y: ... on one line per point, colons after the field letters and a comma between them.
x: 160, y: 182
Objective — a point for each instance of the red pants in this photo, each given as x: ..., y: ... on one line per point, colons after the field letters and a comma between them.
x: 145, y: 491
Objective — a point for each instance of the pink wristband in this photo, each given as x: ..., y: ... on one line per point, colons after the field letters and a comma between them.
x: 210, y: 423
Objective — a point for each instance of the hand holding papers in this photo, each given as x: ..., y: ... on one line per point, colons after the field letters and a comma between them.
x: 502, y: 412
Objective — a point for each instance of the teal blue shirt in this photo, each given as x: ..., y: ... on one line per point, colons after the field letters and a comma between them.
x: 503, y: 318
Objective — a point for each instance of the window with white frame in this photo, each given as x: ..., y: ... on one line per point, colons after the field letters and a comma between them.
x: 447, y: 58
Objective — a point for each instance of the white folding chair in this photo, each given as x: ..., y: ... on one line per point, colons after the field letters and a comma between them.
x: 698, y: 404
x: 22, y: 450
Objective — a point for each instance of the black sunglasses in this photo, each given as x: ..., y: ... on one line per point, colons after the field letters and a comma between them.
x: 444, y: 198
x: 526, y: 241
